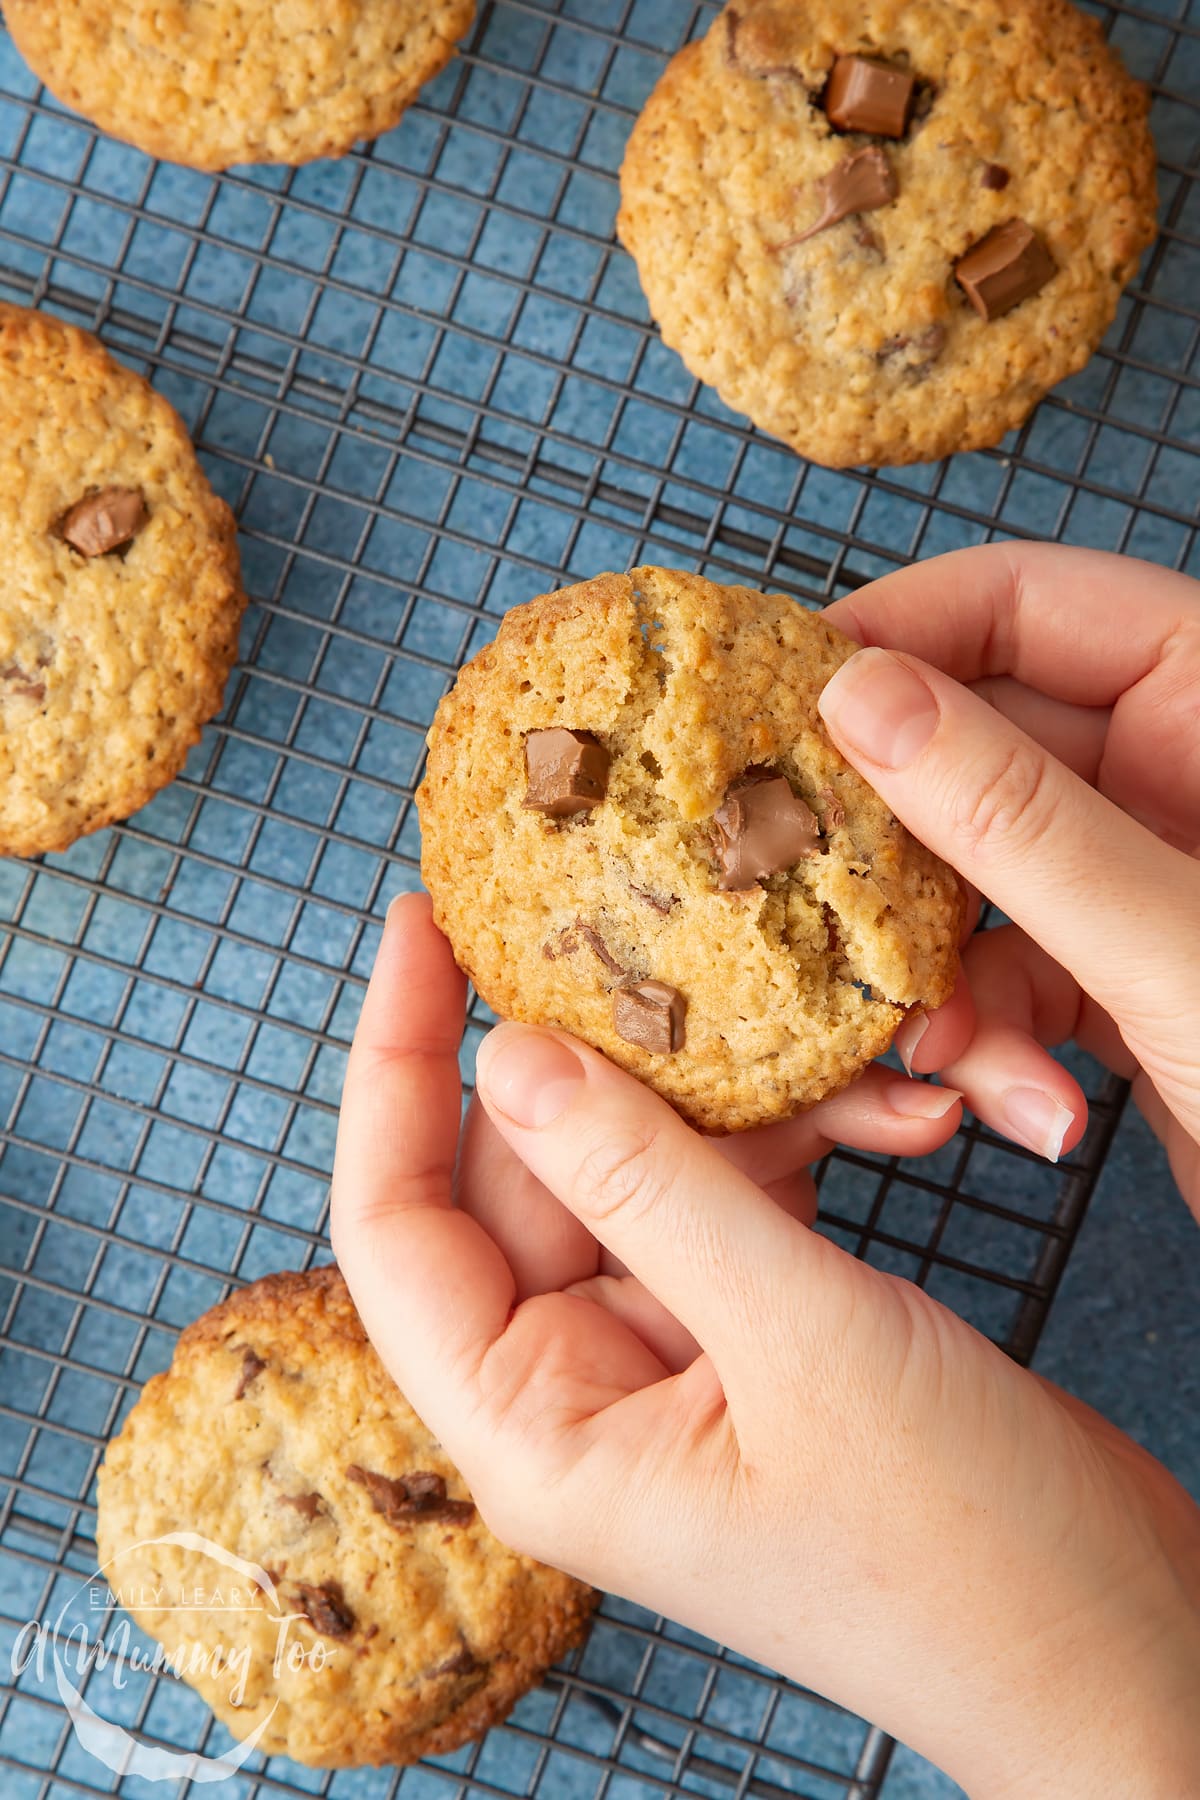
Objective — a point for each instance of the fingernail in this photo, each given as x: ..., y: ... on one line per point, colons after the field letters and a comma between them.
x: 917, y: 1100
x: 1037, y: 1120
x: 908, y: 1037
x: 880, y: 708
x: 527, y: 1075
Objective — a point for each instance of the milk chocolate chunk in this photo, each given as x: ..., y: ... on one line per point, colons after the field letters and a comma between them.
x: 650, y: 1014
x: 325, y: 1608
x: 307, y: 1505
x: 252, y: 1367
x: 23, y: 683
x: 861, y: 182
x: 104, y: 521
x: 405, y: 1499
x: 865, y: 95
x: 567, y: 772
x: 463, y: 1662
x: 995, y: 176
x: 1007, y: 266
x: 596, y: 943
x: 760, y: 828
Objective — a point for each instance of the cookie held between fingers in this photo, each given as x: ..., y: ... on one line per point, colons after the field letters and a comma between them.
x: 277, y: 1436
x: 729, y: 911
x: 122, y: 594
x: 837, y: 301
x: 210, y: 83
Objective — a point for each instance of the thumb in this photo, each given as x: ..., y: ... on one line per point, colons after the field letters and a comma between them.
x: 696, y: 1232
x: 1105, y: 897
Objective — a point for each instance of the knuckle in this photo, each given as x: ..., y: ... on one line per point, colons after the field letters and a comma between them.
x: 624, y: 1172
x: 1009, y: 805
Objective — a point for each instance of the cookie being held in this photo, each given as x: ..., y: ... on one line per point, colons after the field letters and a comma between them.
x: 122, y: 595
x: 211, y: 83
x: 377, y: 1619
x: 636, y: 828
x: 884, y: 228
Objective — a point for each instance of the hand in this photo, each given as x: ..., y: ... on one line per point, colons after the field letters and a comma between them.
x: 1067, y: 789
x: 651, y: 1373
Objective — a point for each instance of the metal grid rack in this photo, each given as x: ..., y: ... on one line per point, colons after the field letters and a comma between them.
x: 425, y: 378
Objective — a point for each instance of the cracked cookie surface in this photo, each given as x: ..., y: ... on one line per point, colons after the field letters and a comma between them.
x: 211, y: 83
x: 121, y: 595
x: 277, y: 1435
x: 857, y: 344
x: 789, y: 984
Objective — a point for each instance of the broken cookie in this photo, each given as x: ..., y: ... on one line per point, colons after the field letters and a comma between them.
x: 721, y: 991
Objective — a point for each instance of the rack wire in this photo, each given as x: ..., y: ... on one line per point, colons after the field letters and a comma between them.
x: 425, y: 378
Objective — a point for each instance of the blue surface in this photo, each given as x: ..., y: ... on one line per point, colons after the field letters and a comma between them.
x: 478, y: 412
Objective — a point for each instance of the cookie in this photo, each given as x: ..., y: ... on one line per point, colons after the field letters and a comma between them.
x: 210, y: 83
x: 338, y: 1583
x: 635, y: 827
x: 120, y: 607
x: 884, y: 228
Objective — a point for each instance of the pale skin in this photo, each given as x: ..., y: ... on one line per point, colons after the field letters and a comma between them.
x: 654, y: 1374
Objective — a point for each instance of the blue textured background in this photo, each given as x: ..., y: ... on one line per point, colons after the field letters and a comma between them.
x: 425, y: 379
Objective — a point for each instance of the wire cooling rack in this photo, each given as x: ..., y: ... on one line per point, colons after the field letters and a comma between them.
x: 425, y: 378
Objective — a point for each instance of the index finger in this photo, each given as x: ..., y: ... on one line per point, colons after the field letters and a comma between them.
x: 433, y: 1290
x: 1080, y: 625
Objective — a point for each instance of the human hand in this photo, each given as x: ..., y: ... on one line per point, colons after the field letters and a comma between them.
x: 651, y: 1373
x: 1067, y: 789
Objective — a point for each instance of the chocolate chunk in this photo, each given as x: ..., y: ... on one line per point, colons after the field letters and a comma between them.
x: 595, y: 942
x: 1007, y: 266
x: 325, y: 1608
x: 660, y: 905
x: 463, y: 1662
x: 835, y: 812
x: 758, y: 48
x: 104, y: 521
x: 650, y: 1014
x: 309, y: 1505
x: 23, y: 683
x: 865, y: 95
x: 760, y: 828
x: 567, y: 772
x: 565, y: 944
x: 995, y: 176
x: 861, y: 182
x: 408, y: 1498
x: 252, y: 1366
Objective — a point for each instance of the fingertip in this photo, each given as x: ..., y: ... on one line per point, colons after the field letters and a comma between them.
x: 930, y: 1038
x: 1042, y: 1120
x: 408, y: 906
x: 908, y: 1039
x: 525, y: 1076
x: 921, y: 1100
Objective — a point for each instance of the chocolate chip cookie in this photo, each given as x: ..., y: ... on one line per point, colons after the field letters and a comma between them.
x: 216, y: 82
x: 120, y: 606
x: 636, y: 828
x: 884, y: 228
x: 336, y: 1580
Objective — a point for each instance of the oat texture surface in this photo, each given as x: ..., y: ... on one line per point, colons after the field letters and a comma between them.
x: 109, y: 664
x: 277, y: 1435
x: 857, y: 345
x: 790, y: 985
x: 210, y: 83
